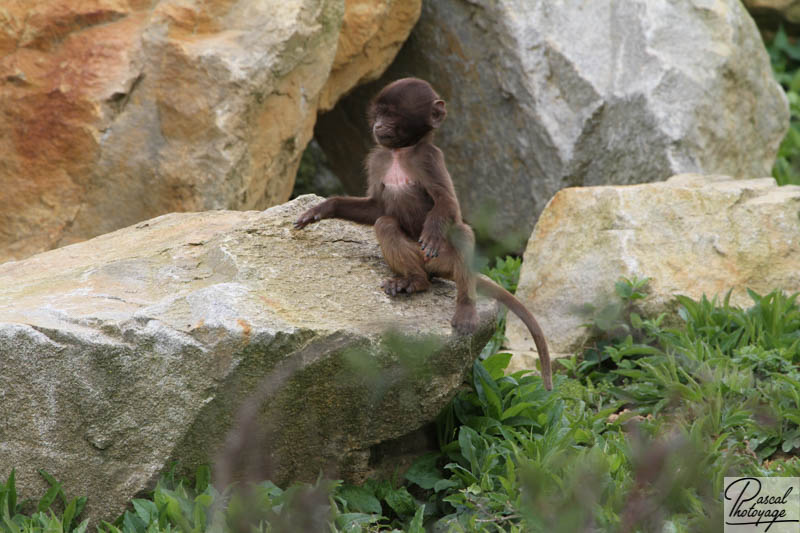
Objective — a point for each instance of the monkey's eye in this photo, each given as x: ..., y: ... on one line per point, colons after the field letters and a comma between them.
x: 390, y: 117
x: 375, y: 111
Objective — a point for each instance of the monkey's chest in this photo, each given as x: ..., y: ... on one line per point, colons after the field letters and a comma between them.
x: 405, y: 199
x: 400, y: 190
x: 396, y: 177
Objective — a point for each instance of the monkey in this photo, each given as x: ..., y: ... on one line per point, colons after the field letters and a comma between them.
x: 412, y: 204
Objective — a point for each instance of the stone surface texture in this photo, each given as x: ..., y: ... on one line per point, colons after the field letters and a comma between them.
x: 544, y: 95
x: 115, y: 111
x: 372, y: 33
x: 691, y: 235
x: 123, y: 353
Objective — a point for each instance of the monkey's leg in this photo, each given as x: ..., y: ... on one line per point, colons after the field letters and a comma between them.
x: 454, y: 262
x: 403, y: 256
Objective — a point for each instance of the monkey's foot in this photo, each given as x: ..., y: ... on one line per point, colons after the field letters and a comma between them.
x: 465, y: 320
x: 395, y: 286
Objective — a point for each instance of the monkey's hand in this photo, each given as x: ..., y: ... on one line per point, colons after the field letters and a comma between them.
x: 433, y: 237
x: 315, y: 214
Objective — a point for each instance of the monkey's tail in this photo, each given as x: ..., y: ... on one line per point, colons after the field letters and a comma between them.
x: 493, y: 290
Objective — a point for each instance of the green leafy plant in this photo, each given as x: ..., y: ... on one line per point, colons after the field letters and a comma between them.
x: 617, y: 330
x: 785, y: 57
x: 522, y: 459
x: 380, y: 504
x: 737, y: 366
x: 505, y: 273
x: 53, y: 513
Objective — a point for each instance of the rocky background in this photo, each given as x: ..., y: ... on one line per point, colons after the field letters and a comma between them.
x: 118, y: 111
x: 537, y: 103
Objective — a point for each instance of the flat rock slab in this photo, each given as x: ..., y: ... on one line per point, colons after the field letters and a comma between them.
x: 136, y: 348
x: 690, y: 235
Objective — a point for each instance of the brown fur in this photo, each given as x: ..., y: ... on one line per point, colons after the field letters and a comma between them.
x: 413, y: 206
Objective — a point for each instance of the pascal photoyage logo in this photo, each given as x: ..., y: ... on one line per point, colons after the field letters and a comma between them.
x: 758, y: 504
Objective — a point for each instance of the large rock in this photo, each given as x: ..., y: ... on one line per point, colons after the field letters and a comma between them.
x: 544, y: 95
x: 372, y: 33
x: 117, y: 111
x: 691, y: 235
x: 134, y: 349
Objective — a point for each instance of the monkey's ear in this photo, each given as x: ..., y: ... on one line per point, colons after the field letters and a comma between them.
x: 438, y: 113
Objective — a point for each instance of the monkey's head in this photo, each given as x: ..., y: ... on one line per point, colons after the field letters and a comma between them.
x: 404, y: 112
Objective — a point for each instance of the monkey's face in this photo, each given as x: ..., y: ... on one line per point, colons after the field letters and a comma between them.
x: 404, y: 112
x: 395, y: 128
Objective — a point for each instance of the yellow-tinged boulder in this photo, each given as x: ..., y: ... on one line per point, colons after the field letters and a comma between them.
x: 691, y: 235
x: 114, y: 111
x: 372, y: 33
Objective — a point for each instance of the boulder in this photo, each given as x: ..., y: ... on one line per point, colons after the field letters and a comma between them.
x: 126, y: 352
x: 372, y: 33
x: 690, y: 235
x: 116, y: 111
x: 544, y: 95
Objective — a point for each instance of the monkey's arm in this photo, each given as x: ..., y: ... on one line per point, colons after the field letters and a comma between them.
x: 445, y: 211
x: 361, y: 210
